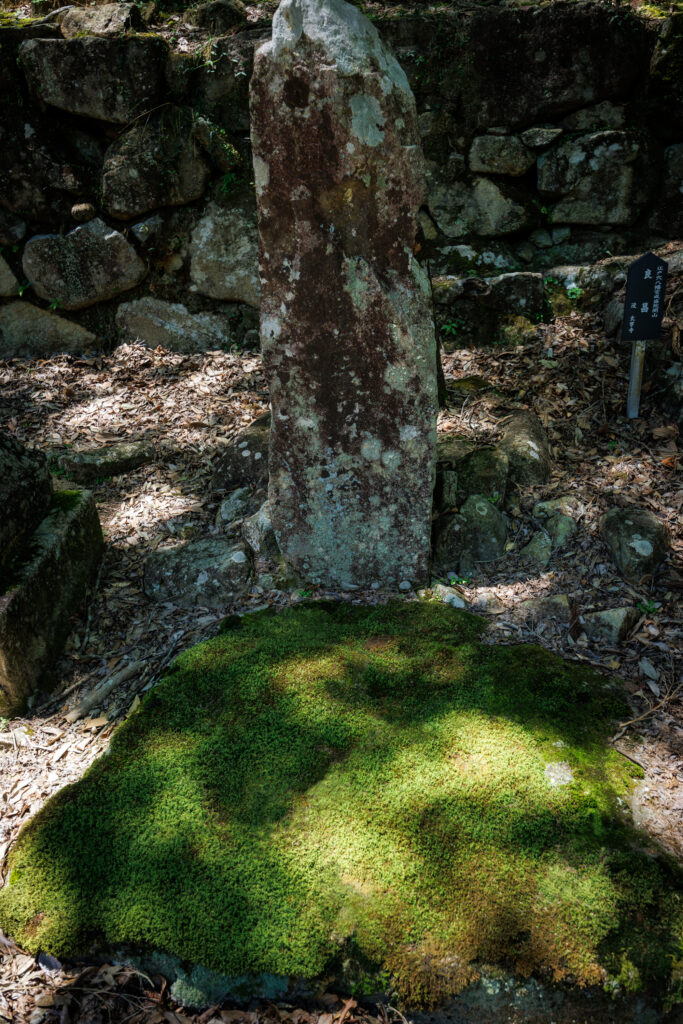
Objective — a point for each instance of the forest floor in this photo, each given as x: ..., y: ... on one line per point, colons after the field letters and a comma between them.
x: 191, y: 407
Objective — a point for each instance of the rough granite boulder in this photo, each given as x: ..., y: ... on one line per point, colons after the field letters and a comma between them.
x: 246, y: 460
x: 156, y: 163
x: 500, y: 154
x: 43, y: 592
x: 346, y: 328
x: 107, y: 79
x: 25, y: 494
x: 482, y: 207
x: 26, y: 330
x: 601, y: 178
x: 103, y: 20
x: 638, y: 542
x: 89, y: 264
x: 484, y: 532
x: 224, y: 253
x: 210, y: 573
x: 170, y: 324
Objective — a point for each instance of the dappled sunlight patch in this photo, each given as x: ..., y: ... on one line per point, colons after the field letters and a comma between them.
x: 312, y: 792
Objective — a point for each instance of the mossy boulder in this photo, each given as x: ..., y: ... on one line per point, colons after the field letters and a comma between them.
x: 25, y: 494
x: 342, y: 789
x: 43, y: 587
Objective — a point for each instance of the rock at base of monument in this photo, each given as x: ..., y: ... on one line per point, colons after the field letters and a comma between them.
x: 110, y: 461
x: 638, y: 542
x: 25, y: 495
x: 246, y: 460
x: 44, y: 591
x: 210, y: 573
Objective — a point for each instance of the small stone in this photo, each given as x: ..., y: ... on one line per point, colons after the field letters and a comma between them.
x: 525, y: 443
x: 538, y: 550
x: 257, y: 531
x: 480, y: 208
x: 405, y: 585
x: 27, y: 331
x: 561, y: 529
x: 448, y: 542
x: 611, y: 624
x: 569, y: 504
x: 601, y: 115
x: 155, y: 322
x: 8, y: 283
x: 137, y: 175
x: 484, y: 529
x: 209, y: 573
x: 557, y: 606
x: 491, y: 154
x: 637, y: 541
x: 224, y: 254
x: 148, y: 230
x: 601, y: 179
x: 83, y: 212
x: 484, y: 472
x: 449, y: 595
x: 112, y: 460
x: 541, y: 239
x: 540, y: 136
x: 246, y: 460
x: 89, y: 264
x: 236, y: 506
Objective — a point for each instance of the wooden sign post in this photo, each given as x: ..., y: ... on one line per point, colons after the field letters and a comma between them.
x: 643, y: 312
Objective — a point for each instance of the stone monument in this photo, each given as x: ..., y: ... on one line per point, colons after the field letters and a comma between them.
x: 346, y: 326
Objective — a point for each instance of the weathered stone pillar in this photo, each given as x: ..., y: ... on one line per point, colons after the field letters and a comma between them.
x: 346, y: 324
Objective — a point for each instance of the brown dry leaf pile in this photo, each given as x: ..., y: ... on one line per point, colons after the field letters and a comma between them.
x: 190, y: 407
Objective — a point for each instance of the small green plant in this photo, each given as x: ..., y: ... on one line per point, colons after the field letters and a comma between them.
x: 648, y: 608
x: 575, y: 292
x: 305, y: 593
x: 56, y: 303
x: 22, y: 287
x: 4, y: 722
x: 229, y: 183
x: 462, y: 581
x: 451, y: 327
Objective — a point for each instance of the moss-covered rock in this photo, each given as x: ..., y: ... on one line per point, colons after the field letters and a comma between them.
x: 339, y: 785
x: 43, y: 588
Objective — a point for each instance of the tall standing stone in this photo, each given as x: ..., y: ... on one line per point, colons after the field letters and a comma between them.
x: 346, y: 326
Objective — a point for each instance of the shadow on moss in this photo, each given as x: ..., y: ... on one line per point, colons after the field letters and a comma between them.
x: 342, y: 778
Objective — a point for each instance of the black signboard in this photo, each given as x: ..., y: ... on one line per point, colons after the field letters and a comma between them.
x: 644, y: 306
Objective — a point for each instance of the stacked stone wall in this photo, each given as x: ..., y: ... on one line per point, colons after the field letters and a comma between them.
x: 553, y: 135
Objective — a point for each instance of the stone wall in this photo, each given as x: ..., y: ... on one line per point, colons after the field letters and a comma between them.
x: 553, y: 135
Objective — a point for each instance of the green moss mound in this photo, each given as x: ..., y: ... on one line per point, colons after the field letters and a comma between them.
x: 339, y: 784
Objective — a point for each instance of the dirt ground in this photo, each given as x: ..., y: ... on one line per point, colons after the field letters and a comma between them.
x: 191, y: 407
